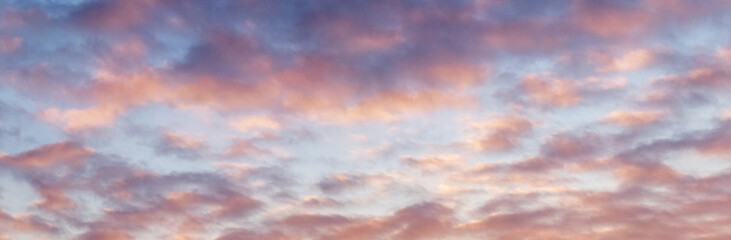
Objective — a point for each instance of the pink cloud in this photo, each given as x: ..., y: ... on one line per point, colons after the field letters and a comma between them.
x: 106, y: 235
x: 183, y: 146
x: 504, y: 133
x: 235, y: 234
x: 311, y: 221
x: 554, y: 92
x: 534, y: 35
x: 245, y: 148
x: 50, y: 155
x: 716, y: 144
x: 566, y: 146
x: 54, y: 199
x: 647, y: 173
x: 311, y: 201
x: 115, y: 15
x: 607, y: 19
x: 342, y: 120
x: 25, y: 223
x: 10, y: 44
x: 236, y: 205
x: 434, y: 164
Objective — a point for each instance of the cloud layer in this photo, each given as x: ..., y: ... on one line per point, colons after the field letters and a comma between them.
x: 273, y: 120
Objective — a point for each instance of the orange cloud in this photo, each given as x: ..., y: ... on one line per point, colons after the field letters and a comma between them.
x: 726, y: 115
x: 633, y: 118
x: 78, y: 120
x: 114, y: 95
x: 248, y: 124
x: 389, y: 106
x: 629, y: 61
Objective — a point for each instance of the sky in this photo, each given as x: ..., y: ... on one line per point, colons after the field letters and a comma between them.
x: 365, y: 119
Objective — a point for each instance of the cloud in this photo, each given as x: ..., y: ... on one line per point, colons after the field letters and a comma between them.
x: 115, y: 94
x: 251, y: 123
x: 419, y: 221
x: 726, y: 115
x: 76, y: 120
x: 715, y: 143
x: 54, y: 199
x: 106, y: 235
x: 249, y: 234
x: 355, y: 119
x: 311, y: 201
x: 179, y: 145
x: 114, y: 15
x: 245, y: 148
x: 51, y: 154
x: 708, y: 77
x: 339, y: 182
x: 610, y: 19
x: 310, y: 221
x: 434, y: 164
x: 10, y: 44
x: 637, y: 173
x: 504, y: 133
x: 25, y: 223
x: 633, y: 118
x: 630, y: 60
x: 567, y: 146
x: 553, y: 93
